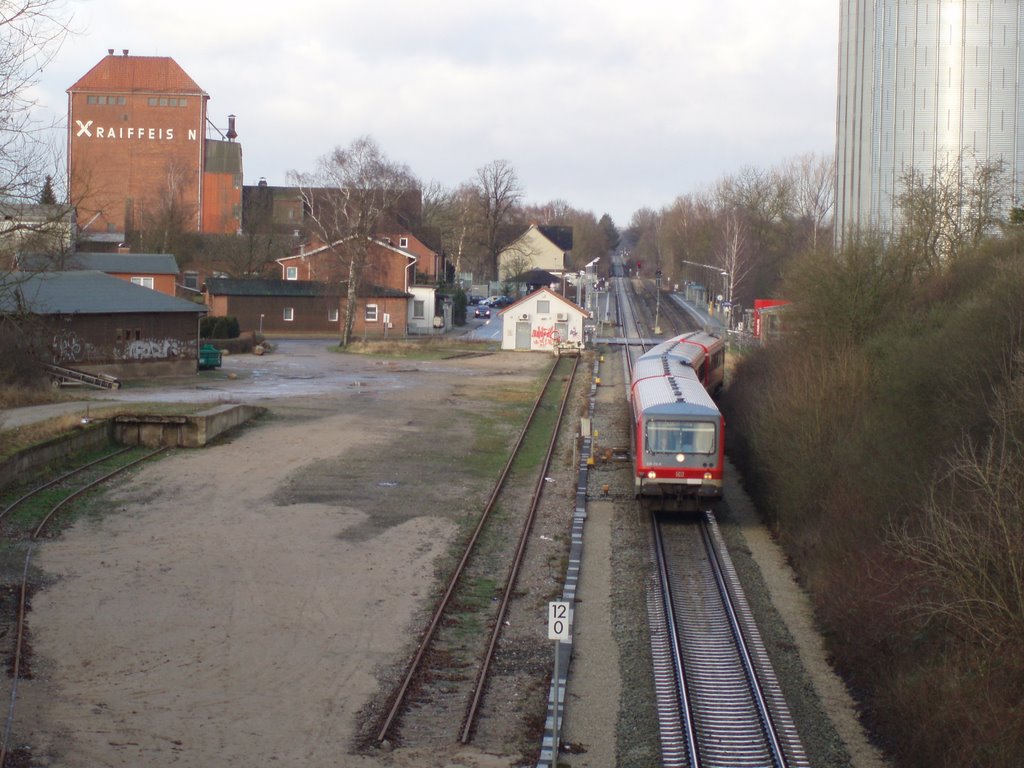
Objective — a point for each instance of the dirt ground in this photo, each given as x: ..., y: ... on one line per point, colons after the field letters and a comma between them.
x: 242, y: 604
x: 236, y: 607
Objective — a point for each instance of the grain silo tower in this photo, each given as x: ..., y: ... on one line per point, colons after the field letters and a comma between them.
x: 922, y: 84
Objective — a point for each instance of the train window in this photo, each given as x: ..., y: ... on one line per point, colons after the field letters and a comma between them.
x: 680, y: 437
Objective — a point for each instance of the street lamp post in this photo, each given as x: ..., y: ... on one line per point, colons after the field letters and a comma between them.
x: 657, y: 300
x: 728, y: 299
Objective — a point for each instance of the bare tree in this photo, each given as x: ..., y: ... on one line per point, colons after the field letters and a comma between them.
x: 645, y: 231
x: 248, y: 255
x: 348, y: 198
x: 514, y: 263
x: 732, y: 251
x: 499, y: 194
x: 969, y: 541
x: 952, y: 209
x: 31, y: 33
x: 455, y: 214
x: 811, y: 181
x: 170, y: 214
x: 764, y: 195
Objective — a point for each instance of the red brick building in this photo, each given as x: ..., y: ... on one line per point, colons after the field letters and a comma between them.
x: 307, y: 307
x: 383, y: 263
x: 137, y: 144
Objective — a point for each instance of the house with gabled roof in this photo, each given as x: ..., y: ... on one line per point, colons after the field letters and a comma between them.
x: 387, y: 267
x: 429, y: 263
x: 544, y: 248
x: 543, y: 321
x: 383, y: 263
x: 35, y: 227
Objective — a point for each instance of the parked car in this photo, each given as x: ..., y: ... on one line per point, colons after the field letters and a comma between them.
x: 482, y: 310
x: 502, y: 301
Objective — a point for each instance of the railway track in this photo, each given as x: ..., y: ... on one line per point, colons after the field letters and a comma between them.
x: 24, y: 522
x: 719, y: 704
x: 443, y: 692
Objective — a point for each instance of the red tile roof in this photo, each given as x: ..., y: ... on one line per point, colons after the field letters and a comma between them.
x: 147, y: 74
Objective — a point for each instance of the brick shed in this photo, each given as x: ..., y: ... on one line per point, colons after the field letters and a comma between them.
x: 93, y: 322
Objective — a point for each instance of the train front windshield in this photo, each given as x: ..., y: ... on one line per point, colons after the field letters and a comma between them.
x: 680, y: 437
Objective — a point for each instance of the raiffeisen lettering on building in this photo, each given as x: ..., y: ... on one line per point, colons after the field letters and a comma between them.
x: 138, y: 145
x: 89, y: 131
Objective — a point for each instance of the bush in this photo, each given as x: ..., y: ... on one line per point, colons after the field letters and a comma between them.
x: 21, y: 350
x: 219, y: 328
x: 884, y: 437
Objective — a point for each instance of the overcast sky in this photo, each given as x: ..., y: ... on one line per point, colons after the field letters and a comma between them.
x: 610, y: 106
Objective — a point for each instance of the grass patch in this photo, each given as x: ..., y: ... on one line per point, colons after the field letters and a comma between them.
x: 13, y: 396
x: 22, y: 520
x: 430, y: 348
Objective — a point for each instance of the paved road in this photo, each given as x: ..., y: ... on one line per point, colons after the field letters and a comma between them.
x: 484, y: 330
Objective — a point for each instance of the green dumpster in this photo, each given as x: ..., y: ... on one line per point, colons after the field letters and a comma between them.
x: 209, y: 357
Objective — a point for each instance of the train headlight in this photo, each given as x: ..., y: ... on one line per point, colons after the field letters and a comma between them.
x: 652, y: 475
x: 707, y: 476
x: 680, y: 457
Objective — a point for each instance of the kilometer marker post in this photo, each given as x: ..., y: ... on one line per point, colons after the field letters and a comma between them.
x: 559, y: 623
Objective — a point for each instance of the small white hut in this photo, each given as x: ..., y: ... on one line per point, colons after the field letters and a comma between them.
x: 543, y: 321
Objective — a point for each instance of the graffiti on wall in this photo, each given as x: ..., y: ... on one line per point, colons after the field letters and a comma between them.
x: 67, y: 347
x: 545, y: 336
x: 153, y: 349
x: 549, y: 336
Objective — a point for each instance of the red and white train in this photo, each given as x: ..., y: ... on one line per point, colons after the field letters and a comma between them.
x: 679, y: 431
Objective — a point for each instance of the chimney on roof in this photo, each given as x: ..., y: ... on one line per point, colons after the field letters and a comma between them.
x: 110, y: 51
x: 124, y: 51
x: 263, y: 181
x: 232, y: 133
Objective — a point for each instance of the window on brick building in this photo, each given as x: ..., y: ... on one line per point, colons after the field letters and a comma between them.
x: 162, y: 101
x: 371, y: 313
x: 289, y: 314
x: 112, y: 100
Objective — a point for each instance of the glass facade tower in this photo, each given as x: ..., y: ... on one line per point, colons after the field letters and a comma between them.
x: 922, y: 84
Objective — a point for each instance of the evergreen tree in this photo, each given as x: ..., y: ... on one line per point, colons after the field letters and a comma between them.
x: 47, y: 196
